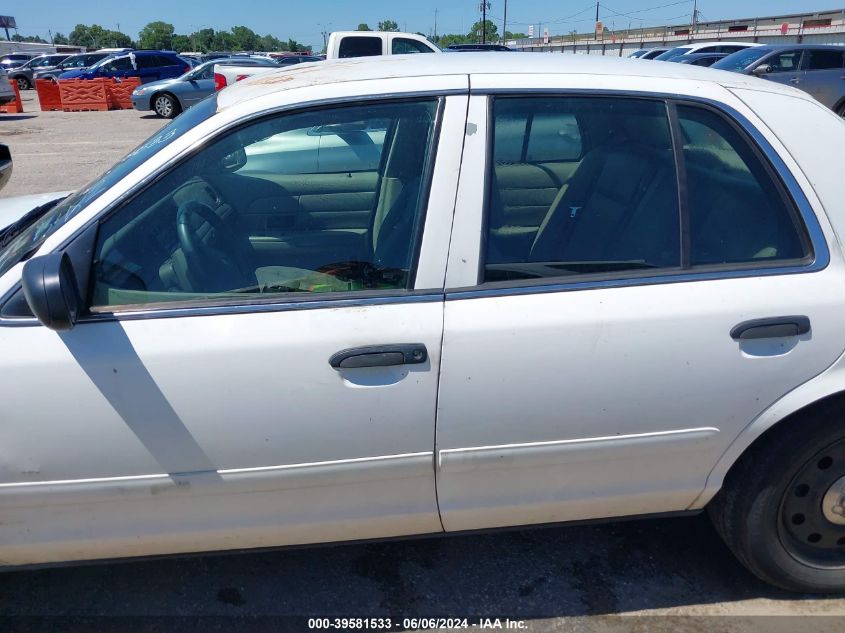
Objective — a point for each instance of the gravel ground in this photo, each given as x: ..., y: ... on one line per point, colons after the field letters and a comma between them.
x: 60, y: 151
x: 673, y: 575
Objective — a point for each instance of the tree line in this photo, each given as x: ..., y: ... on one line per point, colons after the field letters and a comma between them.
x: 488, y: 29
x: 163, y: 36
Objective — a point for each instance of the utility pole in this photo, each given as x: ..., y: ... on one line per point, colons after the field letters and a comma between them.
x: 505, y: 24
x: 483, y: 21
x: 435, y: 25
x: 694, y: 16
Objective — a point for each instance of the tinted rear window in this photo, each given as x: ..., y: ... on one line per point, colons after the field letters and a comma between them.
x: 360, y: 47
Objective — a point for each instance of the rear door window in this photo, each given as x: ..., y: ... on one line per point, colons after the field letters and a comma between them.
x: 360, y: 47
x: 824, y: 60
x: 581, y: 185
x: 738, y: 214
x: 590, y: 186
x: 403, y: 45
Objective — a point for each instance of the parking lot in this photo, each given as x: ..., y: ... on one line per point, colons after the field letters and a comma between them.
x: 568, y: 578
x: 58, y: 151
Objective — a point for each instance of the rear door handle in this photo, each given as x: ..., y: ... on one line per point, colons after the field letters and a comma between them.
x: 380, y: 356
x: 773, y: 327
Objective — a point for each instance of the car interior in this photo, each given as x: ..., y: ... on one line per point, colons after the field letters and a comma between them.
x: 585, y: 185
x: 316, y: 202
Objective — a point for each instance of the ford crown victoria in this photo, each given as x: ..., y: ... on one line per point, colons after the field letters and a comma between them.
x: 410, y: 295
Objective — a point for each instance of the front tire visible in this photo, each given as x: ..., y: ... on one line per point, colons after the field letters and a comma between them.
x: 166, y: 105
x: 23, y: 83
x: 782, y: 507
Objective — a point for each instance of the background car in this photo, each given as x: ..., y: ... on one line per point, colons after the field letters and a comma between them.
x: 13, y: 60
x: 169, y: 97
x: 699, y: 59
x: 477, y: 47
x: 25, y: 75
x: 292, y: 60
x: 816, y: 69
x: 7, y: 93
x: 74, y: 62
x: 653, y: 52
x: 147, y: 65
x: 704, y: 47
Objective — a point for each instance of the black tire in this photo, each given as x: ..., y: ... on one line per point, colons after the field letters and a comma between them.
x: 840, y: 109
x: 755, y: 512
x: 23, y: 83
x: 166, y: 105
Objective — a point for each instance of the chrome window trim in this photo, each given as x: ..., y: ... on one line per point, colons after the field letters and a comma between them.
x: 818, y: 243
x: 305, y: 303
x: 212, y: 309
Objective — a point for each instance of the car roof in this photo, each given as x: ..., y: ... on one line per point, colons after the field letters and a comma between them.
x: 415, y: 65
x: 780, y: 47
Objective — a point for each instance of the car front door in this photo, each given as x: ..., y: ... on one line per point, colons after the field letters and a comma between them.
x: 211, y: 400
x: 601, y: 367
x: 784, y: 67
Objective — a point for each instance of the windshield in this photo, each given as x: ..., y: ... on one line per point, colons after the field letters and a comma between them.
x: 739, y: 61
x: 29, y: 239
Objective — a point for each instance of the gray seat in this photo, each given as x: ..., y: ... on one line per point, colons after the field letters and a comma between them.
x: 621, y: 204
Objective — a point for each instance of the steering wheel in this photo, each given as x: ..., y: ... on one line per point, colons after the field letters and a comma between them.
x: 211, y: 269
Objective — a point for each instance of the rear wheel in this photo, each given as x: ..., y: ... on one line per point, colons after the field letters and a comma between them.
x: 23, y: 83
x: 166, y: 106
x: 782, y: 508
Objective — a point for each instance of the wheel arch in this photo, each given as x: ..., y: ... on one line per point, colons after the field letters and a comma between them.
x: 823, y: 394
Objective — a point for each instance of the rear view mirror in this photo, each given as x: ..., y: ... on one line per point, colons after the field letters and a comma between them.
x: 5, y: 165
x: 49, y: 285
x: 234, y: 161
x: 762, y: 69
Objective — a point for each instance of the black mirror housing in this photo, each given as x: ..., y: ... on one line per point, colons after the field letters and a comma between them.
x: 51, y: 291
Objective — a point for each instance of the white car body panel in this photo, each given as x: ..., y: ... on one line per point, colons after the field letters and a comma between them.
x: 195, y: 433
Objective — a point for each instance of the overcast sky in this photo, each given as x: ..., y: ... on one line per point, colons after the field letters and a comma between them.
x: 304, y: 21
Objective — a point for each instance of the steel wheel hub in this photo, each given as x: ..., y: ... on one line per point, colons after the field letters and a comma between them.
x: 833, y: 502
x: 812, y: 511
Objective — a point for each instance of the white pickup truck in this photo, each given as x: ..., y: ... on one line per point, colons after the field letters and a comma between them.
x: 342, y: 45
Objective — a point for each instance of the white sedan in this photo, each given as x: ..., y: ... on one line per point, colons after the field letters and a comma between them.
x: 410, y: 295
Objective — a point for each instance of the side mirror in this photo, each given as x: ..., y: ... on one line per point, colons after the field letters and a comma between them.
x: 49, y: 285
x: 762, y: 69
x: 5, y: 165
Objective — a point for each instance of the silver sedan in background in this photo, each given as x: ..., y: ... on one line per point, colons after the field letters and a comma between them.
x: 169, y: 97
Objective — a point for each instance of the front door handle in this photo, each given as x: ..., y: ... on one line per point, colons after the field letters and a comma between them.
x: 380, y: 356
x: 773, y: 327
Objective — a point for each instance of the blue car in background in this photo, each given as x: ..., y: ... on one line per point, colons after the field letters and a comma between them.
x: 169, y: 97
x: 148, y: 65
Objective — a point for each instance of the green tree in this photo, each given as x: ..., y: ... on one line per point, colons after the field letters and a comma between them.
x: 35, y: 39
x: 59, y: 38
x: 202, y: 40
x: 182, y: 43
x: 156, y: 35
x: 363, y: 27
x: 81, y: 36
x: 491, y: 32
x: 244, y: 38
x: 515, y: 36
x: 388, y: 25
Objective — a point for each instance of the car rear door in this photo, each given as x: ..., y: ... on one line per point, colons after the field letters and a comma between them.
x: 603, y: 369
x: 823, y: 75
x: 298, y: 406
